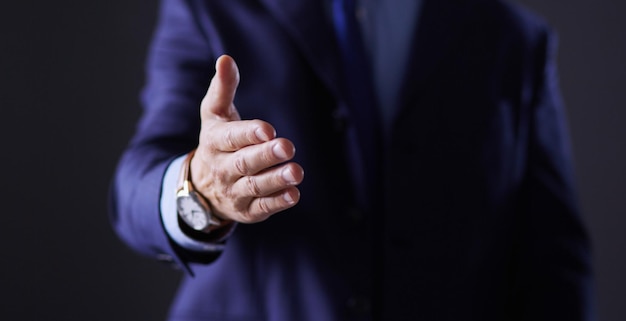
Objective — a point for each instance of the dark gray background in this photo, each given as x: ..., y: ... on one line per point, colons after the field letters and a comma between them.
x: 70, y: 72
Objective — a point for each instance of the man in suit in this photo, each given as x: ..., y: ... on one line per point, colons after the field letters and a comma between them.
x: 438, y: 185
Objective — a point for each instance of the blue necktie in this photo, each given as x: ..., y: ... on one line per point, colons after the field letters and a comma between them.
x: 359, y: 101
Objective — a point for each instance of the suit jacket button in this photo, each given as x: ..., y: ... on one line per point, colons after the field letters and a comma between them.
x: 166, y: 258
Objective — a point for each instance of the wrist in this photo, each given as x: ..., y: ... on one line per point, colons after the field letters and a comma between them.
x: 169, y: 215
x: 195, y: 214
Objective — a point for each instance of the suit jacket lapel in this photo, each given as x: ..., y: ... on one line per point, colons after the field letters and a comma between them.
x: 440, y: 23
x: 317, y: 41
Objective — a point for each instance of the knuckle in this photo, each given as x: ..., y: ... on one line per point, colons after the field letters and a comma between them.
x: 258, y: 211
x: 230, y: 140
x: 264, y: 207
x: 252, y: 186
x: 247, y: 217
x: 241, y: 165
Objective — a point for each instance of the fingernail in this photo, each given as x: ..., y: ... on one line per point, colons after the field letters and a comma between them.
x: 261, y: 135
x: 288, y: 176
x: 288, y: 198
x: 280, y: 152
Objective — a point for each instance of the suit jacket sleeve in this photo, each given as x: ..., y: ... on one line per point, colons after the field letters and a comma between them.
x: 179, y: 69
x: 554, y: 261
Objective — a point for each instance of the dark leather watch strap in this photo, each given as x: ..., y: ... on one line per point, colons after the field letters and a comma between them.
x: 184, y: 171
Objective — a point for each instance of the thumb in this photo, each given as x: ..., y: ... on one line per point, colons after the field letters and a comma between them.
x: 218, y: 102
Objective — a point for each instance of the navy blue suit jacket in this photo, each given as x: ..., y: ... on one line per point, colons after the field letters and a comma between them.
x: 471, y: 215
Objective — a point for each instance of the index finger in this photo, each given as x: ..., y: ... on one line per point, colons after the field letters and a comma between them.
x: 235, y: 135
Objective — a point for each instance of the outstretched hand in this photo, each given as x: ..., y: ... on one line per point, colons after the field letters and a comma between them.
x: 240, y: 166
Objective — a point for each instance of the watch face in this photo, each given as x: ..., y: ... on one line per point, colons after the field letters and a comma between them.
x: 192, y: 212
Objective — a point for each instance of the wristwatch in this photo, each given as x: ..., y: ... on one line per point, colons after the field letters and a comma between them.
x: 192, y: 207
